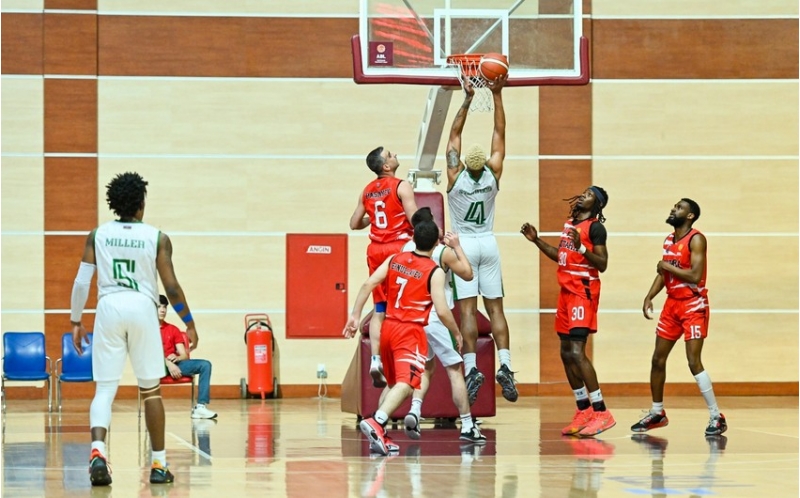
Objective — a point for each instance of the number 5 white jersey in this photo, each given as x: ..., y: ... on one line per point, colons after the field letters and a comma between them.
x: 125, y: 253
x: 471, y: 202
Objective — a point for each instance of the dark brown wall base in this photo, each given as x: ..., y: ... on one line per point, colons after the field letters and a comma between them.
x: 86, y: 391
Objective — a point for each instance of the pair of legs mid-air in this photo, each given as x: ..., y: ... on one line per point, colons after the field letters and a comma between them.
x: 469, y: 330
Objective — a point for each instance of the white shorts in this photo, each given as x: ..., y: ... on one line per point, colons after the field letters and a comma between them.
x: 484, y: 256
x: 127, y: 322
x: 440, y: 342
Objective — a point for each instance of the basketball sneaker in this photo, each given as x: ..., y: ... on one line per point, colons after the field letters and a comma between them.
x: 505, y: 377
x: 200, y: 412
x: 99, y: 471
x: 376, y: 434
x: 411, y: 423
x: 579, y: 421
x: 160, y: 474
x: 376, y: 372
x: 473, y: 435
x: 716, y: 425
x: 600, y: 422
x: 474, y: 380
x: 651, y: 421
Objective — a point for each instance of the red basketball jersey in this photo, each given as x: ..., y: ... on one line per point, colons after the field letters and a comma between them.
x: 575, y: 274
x: 678, y: 254
x: 388, y: 221
x: 408, y: 288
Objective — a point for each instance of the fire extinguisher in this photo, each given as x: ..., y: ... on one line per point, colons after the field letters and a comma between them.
x: 260, y: 348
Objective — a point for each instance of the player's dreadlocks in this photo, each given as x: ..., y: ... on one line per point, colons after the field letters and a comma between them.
x: 125, y: 194
x: 597, y: 209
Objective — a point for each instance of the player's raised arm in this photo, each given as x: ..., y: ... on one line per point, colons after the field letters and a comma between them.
x: 453, y: 152
x: 406, y: 193
x: 498, y: 153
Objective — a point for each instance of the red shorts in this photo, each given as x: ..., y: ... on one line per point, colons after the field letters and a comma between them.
x: 404, y: 350
x: 575, y: 311
x: 684, y: 317
x: 376, y: 255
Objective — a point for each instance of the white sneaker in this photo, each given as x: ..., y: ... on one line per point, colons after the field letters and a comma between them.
x: 200, y: 411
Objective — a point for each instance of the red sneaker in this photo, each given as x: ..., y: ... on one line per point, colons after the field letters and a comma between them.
x: 376, y: 435
x: 651, y: 421
x: 600, y: 422
x: 579, y: 421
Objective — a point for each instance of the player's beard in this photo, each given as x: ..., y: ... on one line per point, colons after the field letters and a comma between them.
x: 675, y: 221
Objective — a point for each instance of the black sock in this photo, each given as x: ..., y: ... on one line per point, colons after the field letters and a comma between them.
x: 583, y: 404
x: 599, y: 406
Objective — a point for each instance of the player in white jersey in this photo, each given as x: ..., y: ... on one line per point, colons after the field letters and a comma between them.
x: 472, y: 186
x: 129, y: 256
x: 450, y: 257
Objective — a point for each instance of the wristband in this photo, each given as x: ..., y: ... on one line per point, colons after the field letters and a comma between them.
x: 582, y: 249
x: 178, y: 307
x: 188, y: 318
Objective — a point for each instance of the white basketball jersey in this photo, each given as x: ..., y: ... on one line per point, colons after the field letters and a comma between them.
x: 436, y: 256
x: 125, y: 253
x: 471, y: 202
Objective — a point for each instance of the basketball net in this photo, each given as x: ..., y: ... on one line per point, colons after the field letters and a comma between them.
x: 466, y: 67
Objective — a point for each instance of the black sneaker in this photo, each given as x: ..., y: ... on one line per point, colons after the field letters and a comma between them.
x: 716, y: 425
x: 474, y: 380
x: 411, y: 423
x: 160, y: 475
x: 505, y: 378
x: 99, y: 472
x: 651, y: 421
x: 473, y: 436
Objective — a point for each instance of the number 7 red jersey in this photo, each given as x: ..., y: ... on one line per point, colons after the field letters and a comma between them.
x: 388, y: 220
x: 408, y: 288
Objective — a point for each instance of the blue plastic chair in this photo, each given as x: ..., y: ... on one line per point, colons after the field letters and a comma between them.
x: 74, y: 367
x: 24, y: 360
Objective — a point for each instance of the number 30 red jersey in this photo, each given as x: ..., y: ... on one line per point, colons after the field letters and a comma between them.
x: 677, y: 253
x: 575, y: 274
x: 388, y: 221
x: 408, y: 288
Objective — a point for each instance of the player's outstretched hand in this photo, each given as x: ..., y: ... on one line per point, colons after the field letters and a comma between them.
x: 529, y: 231
x: 451, y: 240
x: 468, y: 88
x: 496, y: 85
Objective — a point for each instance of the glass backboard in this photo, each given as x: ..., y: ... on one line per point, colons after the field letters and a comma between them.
x: 408, y: 41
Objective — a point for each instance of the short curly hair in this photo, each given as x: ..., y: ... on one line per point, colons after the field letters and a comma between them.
x: 125, y: 194
x: 475, y: 158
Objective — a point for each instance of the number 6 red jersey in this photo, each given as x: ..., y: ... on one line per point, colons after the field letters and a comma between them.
x: 388, y: 221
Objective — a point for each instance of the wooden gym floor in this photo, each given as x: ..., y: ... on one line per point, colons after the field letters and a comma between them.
x: 309, y: 448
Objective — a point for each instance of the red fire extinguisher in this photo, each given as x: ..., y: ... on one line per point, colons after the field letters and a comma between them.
x: 260, y: 347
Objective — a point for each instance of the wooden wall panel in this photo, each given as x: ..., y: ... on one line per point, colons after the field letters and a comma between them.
x: 62, y: 257
x: 64, y: 178
x: 693, y: 8
x: 565, y: 126
x: 21, y: 181
x: 70, y: 44
x: 70, y: 114
x: 71, y: 4
x: 22, y: 115
x: 23, y: 272
x: 235, y: 46
x: 559, y: 180
x: 22, y: 45
x: 274, y: 7
x: 695, y: 48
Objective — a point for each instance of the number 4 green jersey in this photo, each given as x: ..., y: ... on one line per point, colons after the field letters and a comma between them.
x: 471, y: 202
x: 125, y: 253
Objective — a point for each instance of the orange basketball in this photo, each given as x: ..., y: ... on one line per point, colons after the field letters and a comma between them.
x: 493, y: 66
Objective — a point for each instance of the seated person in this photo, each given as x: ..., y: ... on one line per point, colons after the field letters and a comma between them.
x: 176, y: 354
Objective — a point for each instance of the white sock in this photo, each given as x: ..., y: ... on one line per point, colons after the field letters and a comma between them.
x: 657, y: 408
x: 160, y: 457
x: 596, y: 396
x: 505, y: 357
x: 381, y: 417
x: 99, y: 446
x: 470, y: 362
x: 376, y: 361
x: 466, y: 422
x: 707, y: 390
x: 581, y: 393
x: 416, y: 407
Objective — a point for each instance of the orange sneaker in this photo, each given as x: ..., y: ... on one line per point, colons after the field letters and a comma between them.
x: 579, y: 421
x: 600, y: 422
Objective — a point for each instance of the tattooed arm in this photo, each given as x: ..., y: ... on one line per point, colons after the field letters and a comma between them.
x: 454, y: 164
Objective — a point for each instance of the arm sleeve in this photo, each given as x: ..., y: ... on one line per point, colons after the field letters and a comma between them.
x: 598, y: 234
x: 80, y: 290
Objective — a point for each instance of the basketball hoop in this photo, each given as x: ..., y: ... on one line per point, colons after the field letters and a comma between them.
x: 466, y: 66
